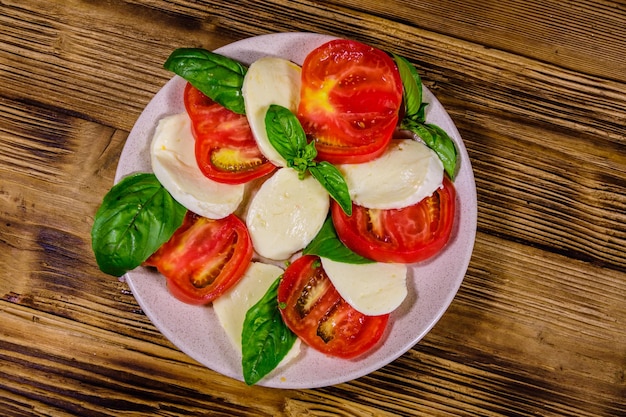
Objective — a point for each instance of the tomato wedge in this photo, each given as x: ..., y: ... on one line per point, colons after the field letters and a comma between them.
x: 349, y: 102
x: 313, y: 309
x: 204, y: 257
x: 226, y: 150
x: 407, y: 235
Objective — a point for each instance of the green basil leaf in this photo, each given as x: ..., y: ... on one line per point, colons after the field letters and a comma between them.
x: 444, y: 147
x: 285, y: 133
x: 439, y: 141
x: 412, y: 86
x: 415, y: 117
x: 328, y: 245
x: 135, y: 218
x: 218, y: 77
x: 266, y: 338
x: 331, y: 179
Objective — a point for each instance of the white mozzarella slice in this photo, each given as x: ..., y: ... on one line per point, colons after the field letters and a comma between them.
x: 268, y: 81
x: 372, y: 289
x: 406, y: 173
x: 174, y: 164
x: 232, y: 306
x: 286, y: 213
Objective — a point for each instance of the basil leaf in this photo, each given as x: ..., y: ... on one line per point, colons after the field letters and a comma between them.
x: 328, y: 245
x: 444, y: 147
x: 412, y: 86
x: 415, y: 117
x: 135, y: 218
x: 220, y: 78
x: 439, y: 141
x: 285, y: 133
x: 331, y: 179
x: 266, y: 338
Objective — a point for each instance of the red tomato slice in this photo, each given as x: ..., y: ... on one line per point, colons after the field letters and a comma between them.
x: 349, y: 103
x: 204, y: 257
x: 407, y: 235
x: 313, y: 309
x: 225, y: 147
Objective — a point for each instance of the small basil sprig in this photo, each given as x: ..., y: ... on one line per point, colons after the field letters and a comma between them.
x: 415, y: 120
x: 286, y: 135
x: 135, y: 218
x: 266, y: 338
x: 220, y: 78
x: 328, y: 245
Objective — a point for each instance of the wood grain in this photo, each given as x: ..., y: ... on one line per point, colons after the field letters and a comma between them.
x: 588, y: 37
x: 538, y: 92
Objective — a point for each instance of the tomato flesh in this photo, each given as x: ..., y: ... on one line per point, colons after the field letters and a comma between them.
x: 204, y: 257
x: 407, y: 235
x: 350, y: 100
x: 313, y: 309
x: 225, y: 148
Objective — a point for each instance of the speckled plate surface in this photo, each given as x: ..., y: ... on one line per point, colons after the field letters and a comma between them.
x: 196, y: 331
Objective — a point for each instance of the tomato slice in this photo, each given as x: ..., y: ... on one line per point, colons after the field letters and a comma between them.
x: 313, y: 309
x: 407, y: 235
x: 226, y: 150
x: 204, y: 257
x: 349, y: 102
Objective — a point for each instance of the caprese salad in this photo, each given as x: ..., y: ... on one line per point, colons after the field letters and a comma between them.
x: 289, y: 198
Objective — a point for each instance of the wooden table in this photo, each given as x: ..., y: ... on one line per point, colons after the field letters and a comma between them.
x: 537, y: 90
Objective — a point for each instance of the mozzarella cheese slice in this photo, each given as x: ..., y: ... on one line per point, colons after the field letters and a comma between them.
x: 268, y: 81
x: 286, y: 213
x: 232, y: 306
x: 174, y: 164
x: 372, y: 289
x: 406, y: 173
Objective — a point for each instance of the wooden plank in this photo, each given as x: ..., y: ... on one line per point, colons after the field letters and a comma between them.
x: 564, y: 317
x: 586, y: 36
x: 111, y: 57
x: 574, y: 206
x: 564, y: 33
x: 54, y: 169
x: 80, y: 371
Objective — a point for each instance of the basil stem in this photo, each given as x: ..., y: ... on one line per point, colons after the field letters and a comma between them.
x: 266, y: 338
x: 135, y: 218
x: 330, y: 177
x: 220, y: 78
x: 328, y: 245
x: 286, y: 135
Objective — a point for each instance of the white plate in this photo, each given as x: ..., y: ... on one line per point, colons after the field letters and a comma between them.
x: 195, y: 330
